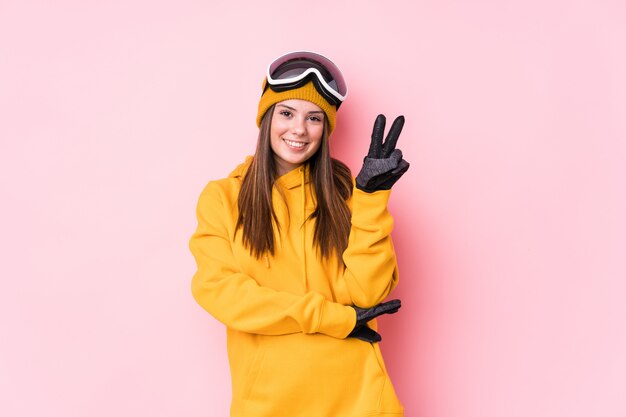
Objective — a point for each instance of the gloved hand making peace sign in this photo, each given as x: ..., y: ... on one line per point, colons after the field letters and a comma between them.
x: 383, y: 165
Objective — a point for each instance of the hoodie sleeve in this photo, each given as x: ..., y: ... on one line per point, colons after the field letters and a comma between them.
x: 237, y: 300
x: 371, y: 270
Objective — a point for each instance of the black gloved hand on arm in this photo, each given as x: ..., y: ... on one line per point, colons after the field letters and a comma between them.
x: 366, y: 334
x: 364, y: 315
x: 383, y: 165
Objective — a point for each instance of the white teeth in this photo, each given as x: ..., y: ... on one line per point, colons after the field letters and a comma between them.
x: 294, y: 144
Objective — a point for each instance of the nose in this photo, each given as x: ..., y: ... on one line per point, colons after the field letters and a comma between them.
x: 298, y: 127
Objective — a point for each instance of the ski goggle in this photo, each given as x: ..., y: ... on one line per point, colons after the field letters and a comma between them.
x: 295, y: 69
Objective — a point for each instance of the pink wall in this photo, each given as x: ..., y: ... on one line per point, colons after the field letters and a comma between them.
x: 510, y: 224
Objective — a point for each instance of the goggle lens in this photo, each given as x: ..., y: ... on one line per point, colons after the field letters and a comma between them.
x: 287, y: 73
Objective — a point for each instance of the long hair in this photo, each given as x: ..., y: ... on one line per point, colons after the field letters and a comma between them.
x: 332, y: 185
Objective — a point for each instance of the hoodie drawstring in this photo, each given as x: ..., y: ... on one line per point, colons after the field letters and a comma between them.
x: 302, y: 179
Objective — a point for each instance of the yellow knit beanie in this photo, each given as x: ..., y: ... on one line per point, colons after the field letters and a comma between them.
x: 306, y: 92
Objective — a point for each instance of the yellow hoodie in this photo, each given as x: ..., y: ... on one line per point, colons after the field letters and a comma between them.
x: 288, y: 315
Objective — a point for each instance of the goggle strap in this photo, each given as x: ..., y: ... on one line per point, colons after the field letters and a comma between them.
x: 306, y: 74
x: 299, y: 82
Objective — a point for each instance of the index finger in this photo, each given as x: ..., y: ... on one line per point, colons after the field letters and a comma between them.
x: 377, y: 137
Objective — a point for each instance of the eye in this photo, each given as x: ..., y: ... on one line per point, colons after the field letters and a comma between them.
x: 285, y: 113
x: 315, y: 118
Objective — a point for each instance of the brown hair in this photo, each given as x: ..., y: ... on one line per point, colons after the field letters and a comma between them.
x: 332, y: 185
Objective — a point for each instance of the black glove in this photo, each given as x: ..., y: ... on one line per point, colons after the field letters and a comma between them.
x: 364, y: 315
x: 365, y: 334
x: 383, y: 165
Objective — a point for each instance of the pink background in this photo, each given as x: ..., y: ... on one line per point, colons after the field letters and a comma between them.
x: 510, y: 231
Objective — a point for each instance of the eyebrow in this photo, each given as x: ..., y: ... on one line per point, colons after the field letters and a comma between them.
x: 291, y: 108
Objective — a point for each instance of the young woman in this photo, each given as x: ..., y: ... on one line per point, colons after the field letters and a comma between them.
x: 295, y: 256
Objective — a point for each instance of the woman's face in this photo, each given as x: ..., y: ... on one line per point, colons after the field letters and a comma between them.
x: 296, y: 133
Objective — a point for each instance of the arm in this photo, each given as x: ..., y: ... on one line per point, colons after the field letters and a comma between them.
x: 371, y: 270
x: 237, y: 300
x: 370, y: 262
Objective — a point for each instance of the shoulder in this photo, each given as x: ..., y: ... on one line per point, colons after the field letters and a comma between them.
x: 231, y: 184
x: 223, y: 185
x: 222, y: 192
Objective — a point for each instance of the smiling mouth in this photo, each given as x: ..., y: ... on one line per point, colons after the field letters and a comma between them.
x: 294, y: 144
